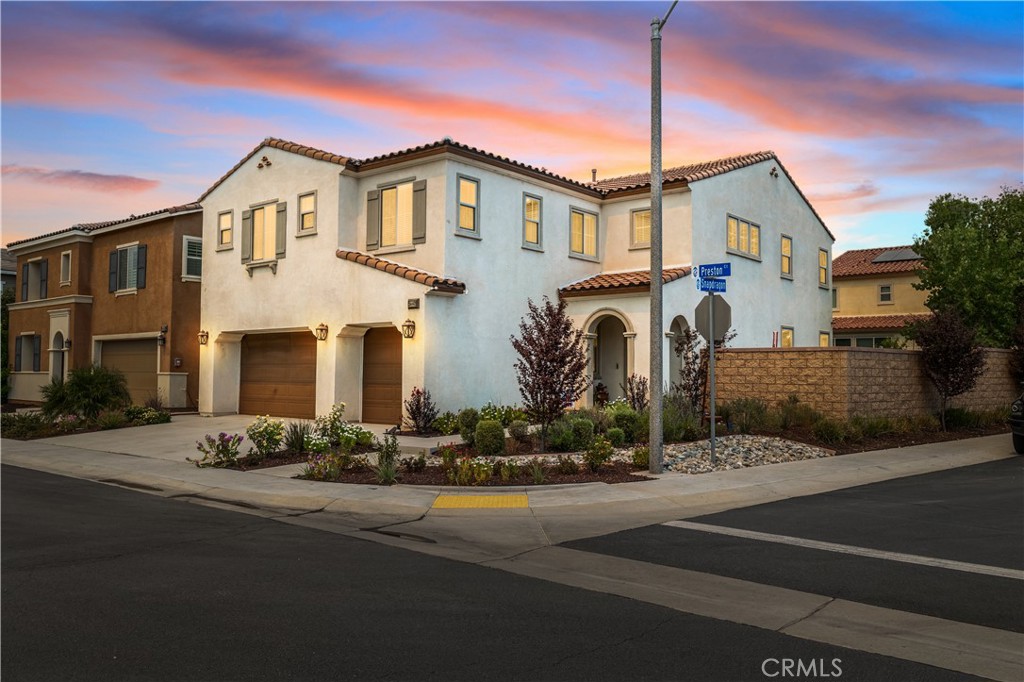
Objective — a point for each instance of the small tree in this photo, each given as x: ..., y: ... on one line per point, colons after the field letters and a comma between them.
x: 421, y: 410
x: 552, y: 364
x: 951, y: 356
x: 638, y: 392
x: 693, y: 366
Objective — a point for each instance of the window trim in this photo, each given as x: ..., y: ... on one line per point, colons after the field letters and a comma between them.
x: 397, y: 247
x: 226, y: 246
x: 539, y: 244
x: 835, y: 298
x: 633, y: 243
x: 118, y: 291
x: 459, y: 229
x: 185, y: 277
x: 792, y: 336
x: 299, y: 230
x: 252, y: 237
x: 891, y: 300
x: 824, y: 269
x: 597, y: 235
x: 737, y: 251
x: 65, y: 281
x: 782, y: 256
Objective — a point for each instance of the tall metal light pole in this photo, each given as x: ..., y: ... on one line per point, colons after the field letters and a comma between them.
x: 657, y: 334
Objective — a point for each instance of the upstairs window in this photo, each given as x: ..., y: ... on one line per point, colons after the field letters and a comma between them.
x: 469, y: 204
x: 640, y: 228
x: 127, y: 270
x: 33, y: 280
x: 307, y: 213
x: 787, y: 257
x: 884, y: 294
x: 264, y: 236
x: 835, y: 298
x: 396, y: 215
x: 786, y: 337
x: 65, y: 268
x: 192, y: 259
x: 531, y: 221
x: 743, y: 237
x: 582, y: 233
x: 823, y: 268
x: 225, y: 229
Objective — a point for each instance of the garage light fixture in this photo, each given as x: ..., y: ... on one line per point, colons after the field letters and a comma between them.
x: 67, y: 344
x: 321, y: 332
x: 161, y: 340
x: 204, y: 337
x: 409, y: 329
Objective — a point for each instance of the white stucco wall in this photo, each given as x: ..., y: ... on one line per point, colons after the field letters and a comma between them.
x: 676, y: 232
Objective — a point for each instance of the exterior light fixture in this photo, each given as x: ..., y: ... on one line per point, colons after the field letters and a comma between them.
x: 204, y: 337
x: 409, y: 329
x: 161, y: 340
x: 67, y: 344
x: 321, y: 332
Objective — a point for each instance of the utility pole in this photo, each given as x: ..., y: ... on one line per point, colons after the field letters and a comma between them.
x: 657, y: 333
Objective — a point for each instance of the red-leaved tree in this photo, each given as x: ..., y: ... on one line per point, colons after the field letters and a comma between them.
x: 950, y: 355
x: 552, y: 365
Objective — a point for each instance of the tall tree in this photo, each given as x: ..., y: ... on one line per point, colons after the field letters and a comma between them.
x: 973, y: 251
x: 951, y: 356
x: 552, y: 365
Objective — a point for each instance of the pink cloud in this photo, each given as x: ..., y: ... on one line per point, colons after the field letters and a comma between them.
x: 99, y: 182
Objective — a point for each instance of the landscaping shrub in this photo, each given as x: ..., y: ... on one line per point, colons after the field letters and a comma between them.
x: 468, y: 419
x: 638, y: 391
x: 829, y: 431
x: 598, y: 452
x: 537, y: 470
x: 295, y: 436
x: 22, y: 425
x: 325, y: 466
x: 643, y: 427
x: 519, y: 430
x: 598, y: 416
x: 490, y: 437
x: 679, y: 423
x: 113, y: 419
x: 315, y: 443
x: 506, y: 414
x: 142, y: 416
x: 508, y: 470
x: 561, y: 437
x: 582, y: 432
x: 748, y: 414
x: 266, y: 435
x: 795, y: 413
x: 413, y: 464
x: 448, y: 455
x: 386, y: 468
x: 874, y: 426
x: 331, y: 425
x: 350, y: 435
x: 421, y: 410
x: 959, y: 419
x: 446, y: 424
x: 628, y: 421
x: 89, y: 391
x: 567, y: 465
x: 219, y: 451
x: 67, y: 423
x: 56, y: 399
x: 616, y: 436
x: 641, y: 457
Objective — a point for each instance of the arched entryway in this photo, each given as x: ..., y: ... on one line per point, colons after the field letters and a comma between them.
x: 57, y: 357
x: 610, y: 336
x: 382, y: 376
x: 676, y: 329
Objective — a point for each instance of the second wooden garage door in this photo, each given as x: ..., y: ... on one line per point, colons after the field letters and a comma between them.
x: 136, y: 359
x: 278, y: 375
x: 382, y: 376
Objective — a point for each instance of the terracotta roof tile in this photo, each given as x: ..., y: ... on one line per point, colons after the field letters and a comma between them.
x: 854, y: 323
x: 446, y: 285
x: 861, y: 262
x: 690, y: 173
x: 639, y: 280
x: 86, y: 228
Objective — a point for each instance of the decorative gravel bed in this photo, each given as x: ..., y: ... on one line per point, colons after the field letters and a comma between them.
x: 737, y: 452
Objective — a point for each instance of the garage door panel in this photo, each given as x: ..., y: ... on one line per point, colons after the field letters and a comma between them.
x: 382, y: 376
x: 136, y: 359
x: 278, y: 375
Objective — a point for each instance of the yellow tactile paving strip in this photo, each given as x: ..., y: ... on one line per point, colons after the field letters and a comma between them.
x: 481, y: 502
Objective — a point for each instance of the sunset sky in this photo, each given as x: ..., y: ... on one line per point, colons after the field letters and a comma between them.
x: 874, y: 107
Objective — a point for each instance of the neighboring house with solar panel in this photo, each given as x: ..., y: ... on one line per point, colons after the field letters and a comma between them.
x: 328, y: 278
x: 122, y: 294
x: 873, y: 296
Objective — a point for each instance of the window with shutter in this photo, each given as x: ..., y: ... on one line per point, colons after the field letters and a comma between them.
x: 127, y: 268
x: 37, y: 352
x: 192, y: 259
x: 266, y: 224
x: 33, y: 280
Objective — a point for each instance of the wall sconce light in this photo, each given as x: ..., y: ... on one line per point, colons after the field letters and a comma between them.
x: 161, y: 340
x: 409, y: 329
x: 321, y: 332
x: 67, y: 344
x: 204, y: 337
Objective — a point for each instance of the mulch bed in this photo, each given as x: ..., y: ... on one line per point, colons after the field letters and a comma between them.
x: 616, y: 472
x: 891, y: 441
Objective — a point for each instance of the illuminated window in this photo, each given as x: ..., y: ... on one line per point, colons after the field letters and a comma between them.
x: 822, y: 268
x: 192, y: 259
x: 786, y: 337
x: 469, y: 191
x: 582, y: 233
x: 531, y: 220
x: 396, y: 215
x: 225, y: 228
x: 743, y: 237
x: 307, y: 212
x: 787, y: 256
x: 823, y: 339
x: 264, y: 233
x: 884, y: 294
x: 640, y: 228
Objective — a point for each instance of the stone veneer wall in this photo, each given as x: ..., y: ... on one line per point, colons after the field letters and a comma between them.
x: 844, y: 382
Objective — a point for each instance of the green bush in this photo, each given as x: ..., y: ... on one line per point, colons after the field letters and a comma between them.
x: 537, y: 471
x: 641, y: 457
x: 959, y: 419
x: 446, y: 424
x: 873, y: 427
x: 332, y: 424
x: 220, y: 451
x: 829, y: 431
x: 87, y: 392
x: 114, y: 419
x: 561, y: 437
x: 142, y: 416
x: 643, y: 427
x: 386, y: 468
x: 295, y: 436
x: 468, y: 419
x: 506, y: 414
x: 748, y: 414
x: 567, y: 465
x: 599, y: 417
x: 679, y: 423
x: 582, y: 432
x: 616, y: 436
x: 598, y: 452
x: 628, y: 420
x: 519, y: 430
x: 23, y: 425
x: 56, y: 399
x: 795, y: 413
x: 490, y: 437
x: 414, y: 464
x: 266, y: 435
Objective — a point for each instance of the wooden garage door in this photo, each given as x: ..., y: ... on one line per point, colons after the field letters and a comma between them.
x: 137, y: 361
x: 278, y: 375
x: 382, y: 376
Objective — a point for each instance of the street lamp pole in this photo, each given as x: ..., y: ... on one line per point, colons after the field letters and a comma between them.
x: 657, y: 334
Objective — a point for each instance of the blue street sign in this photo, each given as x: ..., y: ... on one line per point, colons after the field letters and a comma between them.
x: 713, y: 270
x: 709, y: 284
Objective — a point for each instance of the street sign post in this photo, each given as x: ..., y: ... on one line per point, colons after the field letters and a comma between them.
x: 711, y: 285
x: 712, y: 270
x: 708, y: 279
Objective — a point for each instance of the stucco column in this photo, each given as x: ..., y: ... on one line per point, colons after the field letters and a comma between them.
x: 589, y: 395
x: 630, y: 338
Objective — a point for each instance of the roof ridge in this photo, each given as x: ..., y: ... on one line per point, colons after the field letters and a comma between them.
x: 722, y: 160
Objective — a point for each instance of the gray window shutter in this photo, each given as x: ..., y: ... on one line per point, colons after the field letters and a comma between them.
x: 419, y: 211
x: 43, y: 267
x: 140, y: 273
x: 282, y: 228
x: 17, y: 353
x: 37, y: 347
x: 246, y: 236
x: 372, y: 219
x: 113, y: 271
x: 24, y: 282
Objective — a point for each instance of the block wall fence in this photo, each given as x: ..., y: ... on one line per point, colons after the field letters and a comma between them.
x: 847, y: 382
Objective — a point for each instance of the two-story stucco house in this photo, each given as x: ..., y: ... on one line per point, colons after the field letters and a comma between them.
x: 873, y: 296
x: 122, y: 294
x: 328, y: 278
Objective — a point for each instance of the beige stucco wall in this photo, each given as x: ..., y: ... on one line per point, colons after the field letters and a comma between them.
x: 859, y: 295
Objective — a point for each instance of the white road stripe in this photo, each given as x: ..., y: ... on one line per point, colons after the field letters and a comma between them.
x: 996, y: 571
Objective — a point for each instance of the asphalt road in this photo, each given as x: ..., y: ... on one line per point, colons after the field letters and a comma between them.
x: 103, y: 583
x: 972, y: 514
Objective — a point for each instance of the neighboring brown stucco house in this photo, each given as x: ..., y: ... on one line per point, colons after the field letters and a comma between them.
x: 873, y: 295
x: 122, y: 294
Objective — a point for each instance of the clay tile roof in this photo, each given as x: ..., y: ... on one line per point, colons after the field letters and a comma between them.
x: 855, y: 323
x: 690, y: 173
x: 879, y: 261
x: 638, y: 280
x: 446, y: 285
x: 85, y: 228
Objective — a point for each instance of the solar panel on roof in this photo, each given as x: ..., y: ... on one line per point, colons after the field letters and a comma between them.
x: 896, y: 255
